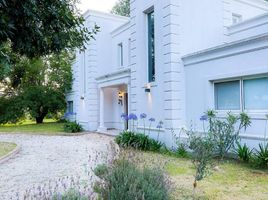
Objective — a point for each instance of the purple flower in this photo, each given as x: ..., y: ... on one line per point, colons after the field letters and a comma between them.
x: 143, y: 116
x: 152, y: 119
x: 159, y: 126
x: 132, y: 116
x: 204, y: 118
x: 161, y: 123
x: 124, y: 117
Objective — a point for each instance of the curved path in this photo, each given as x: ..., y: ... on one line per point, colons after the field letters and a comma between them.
x: 43, y: 158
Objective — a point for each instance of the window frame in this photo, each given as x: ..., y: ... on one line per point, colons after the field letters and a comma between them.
x: 120, y: 52
x: 68, y: 106
x: 224, y: 81
x: 151, y: 59
x: 242, y: 94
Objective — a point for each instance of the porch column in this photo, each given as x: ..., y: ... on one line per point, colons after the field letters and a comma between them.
x: 102, y: 127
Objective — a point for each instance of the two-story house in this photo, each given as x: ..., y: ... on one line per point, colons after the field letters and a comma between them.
x: 173, y: 60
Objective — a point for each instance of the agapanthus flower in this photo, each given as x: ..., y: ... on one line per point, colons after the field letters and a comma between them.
x: 143, y: 116
x: 132, y: 116
x: 152, y: 119
x: 124, y: 117
x: 159, y: 126
x: 161, y: 123
x: 204, y: 118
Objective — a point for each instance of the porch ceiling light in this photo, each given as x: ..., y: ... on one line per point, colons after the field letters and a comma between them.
x: 148, y: 88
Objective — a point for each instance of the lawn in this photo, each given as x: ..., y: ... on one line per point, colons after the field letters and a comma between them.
x: 49, y: 127
x: 231, y: 180
x: 5, y: 148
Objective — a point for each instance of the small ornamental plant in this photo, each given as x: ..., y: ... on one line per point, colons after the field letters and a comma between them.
x: 225, y: 131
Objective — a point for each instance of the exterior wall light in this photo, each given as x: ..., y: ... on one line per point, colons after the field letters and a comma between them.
x: 120, y: 98
x: 148, y: 88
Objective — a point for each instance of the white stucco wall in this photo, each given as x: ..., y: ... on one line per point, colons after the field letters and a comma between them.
x: 238, y: 60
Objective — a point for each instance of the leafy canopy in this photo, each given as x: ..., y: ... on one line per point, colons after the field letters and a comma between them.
x: 41, y: 27
x: 36, y: 87
x: 122, y: 7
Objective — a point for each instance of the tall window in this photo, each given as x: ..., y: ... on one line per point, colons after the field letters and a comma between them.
x: 120, y: 55
x: 151, y: 47
x: 242, y: 94
x: 70, y: 106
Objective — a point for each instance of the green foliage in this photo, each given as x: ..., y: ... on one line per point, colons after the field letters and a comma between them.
x: 38, y: 28
x: 224, y: 132
x: 40, y: 84
x: 137, y: 141
x: 244, y: 153
x: 11, y: 109
x: 181, y: 150
x: 261, y: 156
x: 72, y: 127
x: 122, y: 7
x: 202, y: 154
x: 71, y: 194
x: 125, y: 181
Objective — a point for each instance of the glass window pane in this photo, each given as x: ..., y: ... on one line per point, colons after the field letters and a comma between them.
x: 70, y: 107
x: 151, y: 47
x: 227, y: 95
x: 256, y: 94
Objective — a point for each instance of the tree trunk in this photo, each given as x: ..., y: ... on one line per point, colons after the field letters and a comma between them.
x: 39, y: 120
x: 41, y: 115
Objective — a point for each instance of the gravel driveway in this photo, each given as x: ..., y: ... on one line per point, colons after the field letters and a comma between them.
x: 44, y: 158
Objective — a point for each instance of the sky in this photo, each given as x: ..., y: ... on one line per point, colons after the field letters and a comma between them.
x: 100, y: 5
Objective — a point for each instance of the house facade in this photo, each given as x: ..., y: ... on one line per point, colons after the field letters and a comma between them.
x: 174, y: 60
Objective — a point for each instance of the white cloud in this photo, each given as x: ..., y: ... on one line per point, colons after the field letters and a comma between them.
x: 100, y: 5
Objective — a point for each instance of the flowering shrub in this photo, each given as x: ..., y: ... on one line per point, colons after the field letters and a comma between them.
x: 123, y: 180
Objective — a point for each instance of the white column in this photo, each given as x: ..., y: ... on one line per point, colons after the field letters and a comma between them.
x: 102, y: 127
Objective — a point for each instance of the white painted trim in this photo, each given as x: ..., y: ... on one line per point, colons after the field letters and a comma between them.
x: 231, y: 49
x: 105, y: 15
x: 248, y: 24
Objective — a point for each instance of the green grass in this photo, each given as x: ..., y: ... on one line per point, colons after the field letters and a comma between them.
x: 5, y: 148
x: 49, y: 127
x: 229, y: 181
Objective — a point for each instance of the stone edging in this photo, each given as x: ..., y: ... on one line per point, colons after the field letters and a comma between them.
x: 10, y: 154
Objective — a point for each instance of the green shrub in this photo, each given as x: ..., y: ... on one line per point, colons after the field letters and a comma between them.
x: 243, y: 152
x: 69, y: 195
x: 202, y: 154
x: 72, y: 127
x: 181, y: 150
x: 124, y: 181
x: 138, y: 141
x: 260, y: 158
x: 225, y: 133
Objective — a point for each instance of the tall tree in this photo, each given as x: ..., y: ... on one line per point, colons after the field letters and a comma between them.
x: 36, y: 28
x: 122, y: 7
x: 36, y: 86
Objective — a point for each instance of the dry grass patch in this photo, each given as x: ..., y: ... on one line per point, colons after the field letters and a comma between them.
x: 6, y: 148
x: 231, y: 180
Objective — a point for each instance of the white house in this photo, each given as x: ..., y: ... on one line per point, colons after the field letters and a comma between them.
x: 173, y: 60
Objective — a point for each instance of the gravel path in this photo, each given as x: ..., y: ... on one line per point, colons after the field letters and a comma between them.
x: 44, y: 158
